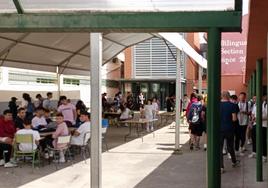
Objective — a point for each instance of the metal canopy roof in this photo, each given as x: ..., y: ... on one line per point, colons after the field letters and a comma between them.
x: 69, y: 51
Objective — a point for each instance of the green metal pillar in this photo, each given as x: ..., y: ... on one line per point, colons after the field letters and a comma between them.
x: 213, y: 110
x: 254, y: 83
x: 259, y: 138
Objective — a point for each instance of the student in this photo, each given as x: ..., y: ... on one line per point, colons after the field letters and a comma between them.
x: 62, y: 130
x: 7, y: 132
x: 13, y: 107
x: 20, y: 118
x: 39, y: 102
x: 228, y: 116
x: 47, y: 104
x: 47, y: 116
x: 39, y: 120
x: 243, y: 118
x: 78, y: 134
x: 149, y: 115
x: 68, y: 110
x: 125, y: 113
x: 28, y: 105
x: 28, y: 130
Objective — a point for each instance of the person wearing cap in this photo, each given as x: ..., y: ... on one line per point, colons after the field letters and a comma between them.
x: 13, y: 107
x: 78, y: 134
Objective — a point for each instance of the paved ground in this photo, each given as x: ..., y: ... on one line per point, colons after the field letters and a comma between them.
x: 147, y: 164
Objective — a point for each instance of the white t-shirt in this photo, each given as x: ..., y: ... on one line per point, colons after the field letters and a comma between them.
x: 243, y: 118
x: 148, y: 112
x: 79, y: 140
x: 36, y: 121
x: 125, y: 114
x: 264, y: 114
x: 155, y: 106
x: 36, y: 137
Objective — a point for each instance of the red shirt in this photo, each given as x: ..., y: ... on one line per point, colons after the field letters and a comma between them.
x: 7, y: 128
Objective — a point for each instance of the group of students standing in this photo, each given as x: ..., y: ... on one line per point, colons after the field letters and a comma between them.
x: 237, y: 124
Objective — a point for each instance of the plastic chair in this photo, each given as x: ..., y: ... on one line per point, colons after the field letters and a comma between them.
x: 105, y: 125
x: 84, y: 148
x: 63, y: 145
x: 25, y: 139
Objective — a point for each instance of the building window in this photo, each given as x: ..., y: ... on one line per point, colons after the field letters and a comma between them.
x: 156, y: 58
x: 30, y: 78
x: 71, y: 81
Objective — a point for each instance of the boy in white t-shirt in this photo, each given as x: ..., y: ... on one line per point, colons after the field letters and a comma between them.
x: 39, y: 120
x: 28, y: 130
x: 79, y: 134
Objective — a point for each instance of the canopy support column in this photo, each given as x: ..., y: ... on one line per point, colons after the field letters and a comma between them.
x: 178, y: 100
x: 259, y: 138
x: 200, y: 72
x: 213, y: 109
x: 58, y: 82
x: 96, y: 109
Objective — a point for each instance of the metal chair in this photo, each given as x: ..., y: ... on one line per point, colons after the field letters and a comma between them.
x: 63, y: 145
x: 25, y: 139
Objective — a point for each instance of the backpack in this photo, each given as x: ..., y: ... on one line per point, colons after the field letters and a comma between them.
x: 194, y: 116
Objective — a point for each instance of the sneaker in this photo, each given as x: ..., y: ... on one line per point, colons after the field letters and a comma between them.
x: 238, y: 153
x: 264, y: 159
x: 249, y: 142
x: 62, y: 160
x: 236, y: 164
x: 51, y: 154
x: 205, y: 147
x: 242, y: 149
x: 10, y: 165
x: 191, y: 146
x: 224, y: 152
x: 229, y: 156
x: 252, y: 155
x: 46, y: 155
x: 222, y: 170
x: 2, y: 162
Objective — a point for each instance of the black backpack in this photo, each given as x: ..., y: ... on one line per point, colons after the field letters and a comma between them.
x: 194, y: 116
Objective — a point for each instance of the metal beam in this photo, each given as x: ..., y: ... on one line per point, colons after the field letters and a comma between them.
x: 72, y: 55
x: 13, y: 44
x: 18, y: 6
x: 259, y: 137
x: 121, y: 21
x: 213, y: 108
x: 96, y: 109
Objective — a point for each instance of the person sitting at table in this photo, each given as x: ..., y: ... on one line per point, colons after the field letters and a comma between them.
x: 47, y: 116
x: 39, y: 120
x: 68, y: 110
x: 78, y: 134
x: 20, y: 118
x: 125, y: 113
x: 62, y: 130
x: 28, y: 130
x: 7, y: 132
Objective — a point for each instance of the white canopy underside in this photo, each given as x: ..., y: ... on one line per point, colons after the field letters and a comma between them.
x: 69, y: 51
